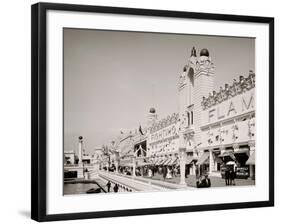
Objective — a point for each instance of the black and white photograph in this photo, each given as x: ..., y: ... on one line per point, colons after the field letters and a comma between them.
x: 152, y: 112
x: 140, y: 111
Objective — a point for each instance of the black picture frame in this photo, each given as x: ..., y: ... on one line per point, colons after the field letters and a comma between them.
x: 39, y: 107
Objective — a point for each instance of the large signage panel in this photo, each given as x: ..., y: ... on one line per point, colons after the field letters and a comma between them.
x: 164, y: 134
x: 232, y: 107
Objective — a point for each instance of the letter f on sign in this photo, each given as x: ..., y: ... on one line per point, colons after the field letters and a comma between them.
x: 211, y: 114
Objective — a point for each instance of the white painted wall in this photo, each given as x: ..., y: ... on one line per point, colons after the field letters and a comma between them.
x: 15, y: 110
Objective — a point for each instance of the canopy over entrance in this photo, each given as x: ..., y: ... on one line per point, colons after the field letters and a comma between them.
x: 203, y: 159
x: 251, y: 160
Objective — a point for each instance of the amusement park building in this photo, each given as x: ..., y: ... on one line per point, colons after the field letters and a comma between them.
x: 211, y: 128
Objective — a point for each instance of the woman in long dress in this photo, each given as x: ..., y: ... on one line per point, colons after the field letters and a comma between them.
x: 149, y: 173
x: 169, y: 174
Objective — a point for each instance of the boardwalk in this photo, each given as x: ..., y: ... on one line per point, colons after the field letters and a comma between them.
x: 215, y: 181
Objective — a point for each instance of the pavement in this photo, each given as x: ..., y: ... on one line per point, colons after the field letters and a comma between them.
x: 215, y: 181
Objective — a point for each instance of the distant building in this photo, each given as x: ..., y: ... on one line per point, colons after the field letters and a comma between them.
x: 69, y: 157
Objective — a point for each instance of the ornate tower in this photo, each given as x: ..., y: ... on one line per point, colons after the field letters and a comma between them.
x: 186, y: 89
x: 196, y: 81
x: 186, y: 83
x: 204, y: 84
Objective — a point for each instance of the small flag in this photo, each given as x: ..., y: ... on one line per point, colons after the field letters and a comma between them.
x: 140, y: 130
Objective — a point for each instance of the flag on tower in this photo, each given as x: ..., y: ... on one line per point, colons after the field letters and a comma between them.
x: 140, y: 130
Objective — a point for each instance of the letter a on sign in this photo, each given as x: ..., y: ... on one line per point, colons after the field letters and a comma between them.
x: 231, y: 108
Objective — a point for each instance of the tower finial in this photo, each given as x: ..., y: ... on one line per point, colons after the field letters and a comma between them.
x: 193, y: 52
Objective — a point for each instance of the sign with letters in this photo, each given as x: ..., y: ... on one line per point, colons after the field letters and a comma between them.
x: 164, y: 133
x: 232, y: 107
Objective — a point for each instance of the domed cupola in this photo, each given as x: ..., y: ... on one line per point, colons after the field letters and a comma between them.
x: 152, y: 110
x: 204, y: 52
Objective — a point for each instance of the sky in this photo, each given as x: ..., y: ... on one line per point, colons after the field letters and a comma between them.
x: 113, y: 78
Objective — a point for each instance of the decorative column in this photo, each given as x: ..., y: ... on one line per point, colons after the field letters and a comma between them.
x: 195, y: 157
x: 80, y: 150
x: 116, y: 161
x: 134, y: 166
x: 252, y: 146
x: 235, y: 149
x: 211, y: 162
x: 222, y: 151
x: 182, y: 156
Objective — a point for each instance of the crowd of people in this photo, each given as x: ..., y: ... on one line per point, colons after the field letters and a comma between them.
x: 229, y: 91
x: 167, y: 172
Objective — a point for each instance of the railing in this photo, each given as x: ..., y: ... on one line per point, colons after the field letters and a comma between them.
x: 78, y: 165
x: 162, y: 184
x: 131, y: 183
x: 122, y: 186
x: 71, y: 165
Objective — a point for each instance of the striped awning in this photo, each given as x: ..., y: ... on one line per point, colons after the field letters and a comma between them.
x: 188, y: 160
x: 167, y: 161
x: 173, y: 162
x: 251, y: 160
x: 203, y: 159
x: 159, y: 161
x: 163, y: 161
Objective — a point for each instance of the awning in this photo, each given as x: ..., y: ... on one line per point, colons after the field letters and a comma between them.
x: 251, y: 160
x: 203, y: 158
x: 155, y: 161
x: 159, y: 161
x: 226, y: 153
x: 242, y: 150
x: 230, y: 163
x: 173, y: 162
x: 188, y: 160
x: 167, y: 161
x: 163, y: 161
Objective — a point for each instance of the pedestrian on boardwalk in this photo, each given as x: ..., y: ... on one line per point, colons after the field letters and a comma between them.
x: 203, y: 181
x: 197, y: 172
x: 227, y: 176
x: 169, y: 173
x: 175, y: 171
x: 164, y: 172
x: 149, y: 173
x: 232, y: 176
x: 115, y: 189
x: 108, y: 186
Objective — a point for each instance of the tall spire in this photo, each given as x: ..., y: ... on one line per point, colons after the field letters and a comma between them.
x: 193, y: 52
